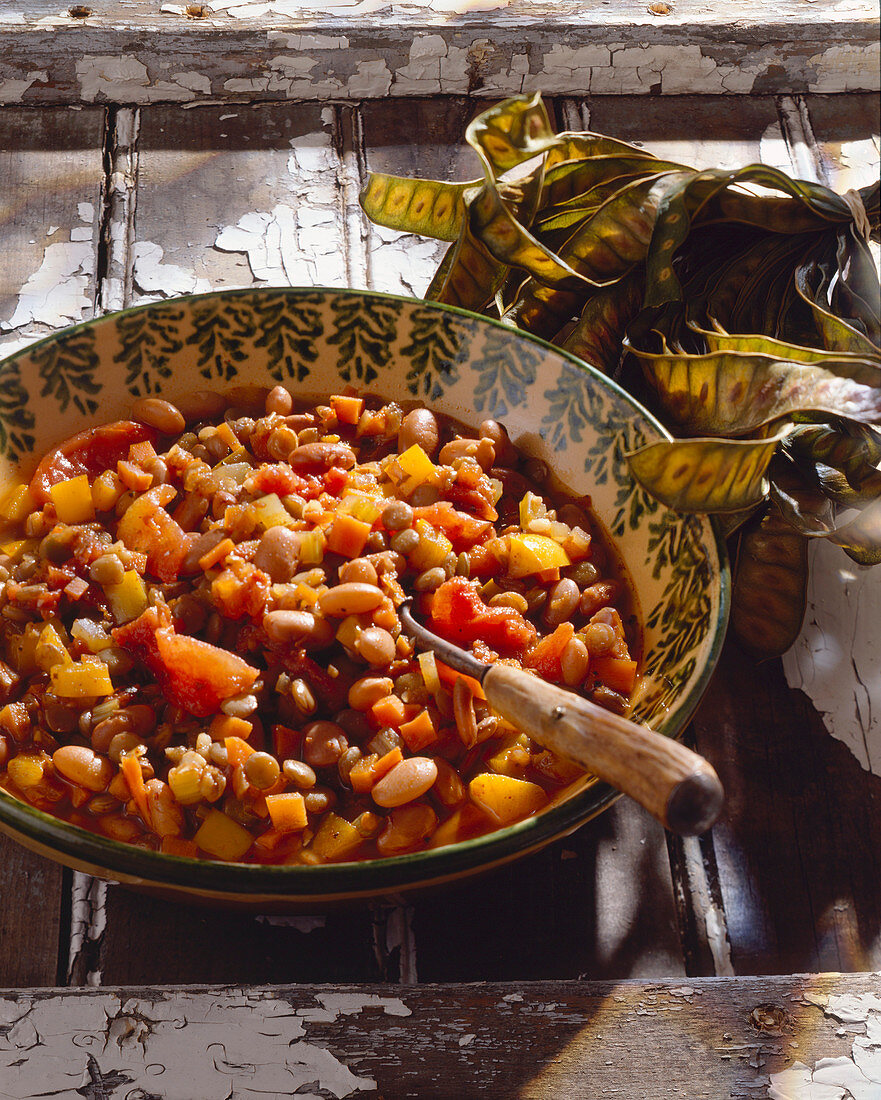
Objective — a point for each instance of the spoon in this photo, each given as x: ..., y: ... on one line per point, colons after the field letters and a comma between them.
x: 674, y: 784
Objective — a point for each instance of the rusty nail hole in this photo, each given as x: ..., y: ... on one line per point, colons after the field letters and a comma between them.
x: 197, y: 11
x: 79, y: 11
x: 660, y: 8
x: 768, y: 1018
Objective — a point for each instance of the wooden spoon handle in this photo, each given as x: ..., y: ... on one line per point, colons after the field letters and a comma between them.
x: 674, y: 784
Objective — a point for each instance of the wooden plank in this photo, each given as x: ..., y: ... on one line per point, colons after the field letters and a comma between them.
x: 146, y: 52
x: 598, y: 904
x: 701, y: 131
x: 847, y: 132
x: 50, y: 218
x: 738, y: 1038
x: 237, y: 196
x: 797, y: 843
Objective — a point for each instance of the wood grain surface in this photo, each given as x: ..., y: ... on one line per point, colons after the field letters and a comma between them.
x: 144, y: 52
x: 704, y: 1039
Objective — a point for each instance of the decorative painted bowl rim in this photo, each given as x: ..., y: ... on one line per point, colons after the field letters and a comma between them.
x: 363, y: 878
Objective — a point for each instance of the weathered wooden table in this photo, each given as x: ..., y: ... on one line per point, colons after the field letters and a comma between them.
x: 144, y: 154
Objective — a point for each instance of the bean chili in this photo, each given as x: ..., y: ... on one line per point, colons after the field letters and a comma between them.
x: 201, y: 652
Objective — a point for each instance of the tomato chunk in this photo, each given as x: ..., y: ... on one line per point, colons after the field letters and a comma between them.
x: 458, y: 614
x: 148, y: 528
x: 90, y: 452
x: 192, y: 674
x: 461, y: 529
x: 546, y: 655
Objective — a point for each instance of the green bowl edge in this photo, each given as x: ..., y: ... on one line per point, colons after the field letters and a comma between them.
x: 376, y: 876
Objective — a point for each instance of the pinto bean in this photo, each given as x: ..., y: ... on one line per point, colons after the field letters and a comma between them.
x: 83, y: 767
x: 419, y: 426
x: 323, y: 744
x: 278, y: 553
x: 159, y: 414
x: 301, y: 626
x: 315, y: 458
x: 351, y: 598
x: 279, y: 400
x: 406, y: 782
x: 358, y: 570
x: 505, y: 451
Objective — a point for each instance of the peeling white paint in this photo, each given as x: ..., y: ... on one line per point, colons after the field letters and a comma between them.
x: 841, y: 68
x: 350, y: 1004
x: 854, y: 1078
x: 56, y: 293
x: 402, y: 263
x: 433, y: 67
x: 198, y: 1044
x: 162, y: 280
x: 12, y: 89
x: 836, y: 659
x: 88, y: 919
x: 126, y: 79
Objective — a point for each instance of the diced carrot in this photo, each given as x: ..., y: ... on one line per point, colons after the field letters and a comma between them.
x: 348, y: 409
x: 237, y: 750
x: 361, y: 776
x: 347, y: 536
x: 224, y: 725
x: 389, y: 711
x: 618, y: 673
x: 385, y: 763
x: 217, y: 554
x: 130, y: 766
x: 546, y: 655
x: 286, y: 742
x: 228, y: 436
x: 287, y: 812
x: 449, y: 676
x: 141, y: 452
x: 177, y: 846
x: 419, y: 732
x: 269, y: 840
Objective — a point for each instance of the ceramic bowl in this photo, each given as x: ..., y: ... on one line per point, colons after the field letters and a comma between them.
x: 314, y: 341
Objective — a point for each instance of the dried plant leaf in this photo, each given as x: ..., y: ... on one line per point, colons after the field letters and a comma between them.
x: 431, y: 208
x: 468, y: 277
x: 705, y: 475
x: 770, y: 581
x: 598, y: 334
x: 838, y: 334
x: 510, y: 133
x: 733, y: 393
x: 717, y: 339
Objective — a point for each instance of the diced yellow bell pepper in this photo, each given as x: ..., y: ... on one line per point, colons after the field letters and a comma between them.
x: 336, y: 838
x: 531, y: 507
x: 73, y: 500
x: 222, y: 837
x: 362, y: 506
x: 528, y: 554
x: 270, y: 512
x: 512, y: 757
x: 88, y: 677
x: 506, y: 799
x: 17, y: 504
x: 50, y: 649
x: 128, y: 599
x: 416, y: 464
x: 348, y: 630
x: 433, y: 548
x: 312, y: 546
